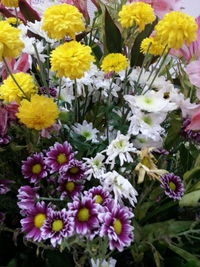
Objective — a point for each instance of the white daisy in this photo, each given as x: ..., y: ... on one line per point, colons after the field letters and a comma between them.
x: 94, y: 166
x: 86, y: 129
x: 119, y: 147
x: 121, y: 187
x: 103, y: 263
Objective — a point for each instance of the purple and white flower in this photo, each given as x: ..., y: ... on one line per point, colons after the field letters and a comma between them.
x: 99, y: 195
x: 57, y: 226
x: 172, y: 185
x: 73, y: 171
x: 34, y: 168
x: 27, y: 197
x: 4, y: 186
x: 59, y: 155
x: 35, y: 219
x: 116, y: 225
x: 84, y: 212
x: 69, y: 189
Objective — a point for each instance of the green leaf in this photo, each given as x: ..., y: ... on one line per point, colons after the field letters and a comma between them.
x: 184, y: 254
x: 191, y: 199
x: 113, y: 37
x: 192, y: 173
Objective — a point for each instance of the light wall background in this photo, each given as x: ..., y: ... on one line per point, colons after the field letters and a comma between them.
x: 192, y: 7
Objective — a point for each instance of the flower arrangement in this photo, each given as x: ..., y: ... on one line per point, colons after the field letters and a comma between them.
x: 100, y: 132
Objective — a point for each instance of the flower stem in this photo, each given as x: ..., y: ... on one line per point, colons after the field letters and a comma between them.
x: 12, y: 76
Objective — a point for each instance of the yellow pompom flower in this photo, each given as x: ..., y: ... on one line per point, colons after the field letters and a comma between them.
x: 175, y: 29
x: 13, y: 21
x: 62, y: 20
x: 114, y: 62
x: 9, y: 91
x: 153, y: 47
x: 10, y: 3
x: 10, y: 43
x: 38, y: 113
x: 71, y: 60
x: 138, y: 13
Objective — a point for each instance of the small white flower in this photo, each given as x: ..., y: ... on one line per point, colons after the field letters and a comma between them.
x: 86, y: 129
x: 94, y: 166
x: 142, y: 141
x: 103, y: 263
x: 119, y: 147
x: 121, y: 187
x: 150, y: 102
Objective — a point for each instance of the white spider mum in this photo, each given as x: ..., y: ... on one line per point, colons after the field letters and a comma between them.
x: 94, y: 166
x: 121, y: 187
x: 86, y: 129
x: 119, y: 147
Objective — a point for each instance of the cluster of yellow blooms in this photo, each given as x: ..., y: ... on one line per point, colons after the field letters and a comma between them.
x: 10, y: 3
x: 114, y: 62
x: 72, y: 59
x: 10, y: 43
x: 62, y: 20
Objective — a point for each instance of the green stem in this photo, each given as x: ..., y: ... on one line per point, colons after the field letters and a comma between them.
x: 59, y: 90
x: 49, y: 199
x: 15, y: 81
x: 108, y: 105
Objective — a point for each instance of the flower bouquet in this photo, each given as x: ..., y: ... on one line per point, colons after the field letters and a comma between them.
x: 99, y: 133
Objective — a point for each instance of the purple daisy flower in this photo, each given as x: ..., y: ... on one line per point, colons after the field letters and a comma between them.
x: 69, y: 189
x: 27, y: 197
x: 34, y: 168
x: 57, y: 226
x: 99, y: 195
x: 4, y: 186
x: 189, y: 134
x: 116, y: 225
x: 35, y: 219
x: 72, y: 171
x: 59, y: 155
x: 173, y: 186
x: 84, y: 213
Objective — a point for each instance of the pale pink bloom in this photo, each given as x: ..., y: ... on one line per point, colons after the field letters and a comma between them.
x: 52, y: 130
x: 193, y: 71
x: 195, y: 122
x: 161, y: 7
x: 192, y: 51
x: 82, y: 6
x: 19, y: 65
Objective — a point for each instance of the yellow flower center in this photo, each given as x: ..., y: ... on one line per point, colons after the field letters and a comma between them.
x: 36, y: 169
x: 98, y: 199
x: 57, y: 225
x: 39, y: 220
x: 147, y: 162
x: 83, y: 215
x: 69, y: 186
x: 61, y: 158
x: 172, y: 186
x: 74, y: 170
x: 117, y: 226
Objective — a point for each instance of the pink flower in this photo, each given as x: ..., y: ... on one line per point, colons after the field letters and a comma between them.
x: 191, y: 51
x: 161, y: 7
x: 3, y: 121
x: 195, y: 122
x: 19, y: 65
x: 193, y: 71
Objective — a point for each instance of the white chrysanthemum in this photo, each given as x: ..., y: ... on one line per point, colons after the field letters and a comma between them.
x: 150, y: 102
x: 94, y: 166
x: 103, y: 263
x: 142, y: 141
x: 121, y: 187
x: 119, y: 147
x: 147, y: 124
x: 86, y: 129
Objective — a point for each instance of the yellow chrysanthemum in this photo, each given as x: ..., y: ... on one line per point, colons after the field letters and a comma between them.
x: 9, y: 91
x: 10, y: 3
x: 71, y: 60
x: 153, y: 46
x: 175, y: 29
x: 114, y: 62
x: 10, y: 43
x: 13, y: 21
x: 38, y: 113
x: 137, y: 13
x: 62, y: 20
